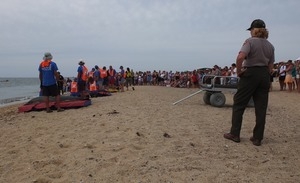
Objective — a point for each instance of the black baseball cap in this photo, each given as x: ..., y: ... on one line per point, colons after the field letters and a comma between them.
x: 257, y: 23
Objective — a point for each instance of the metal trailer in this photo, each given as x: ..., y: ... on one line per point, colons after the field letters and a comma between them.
x: 213, y: 86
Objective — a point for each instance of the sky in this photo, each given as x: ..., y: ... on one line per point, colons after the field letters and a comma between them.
x: 144, y: 35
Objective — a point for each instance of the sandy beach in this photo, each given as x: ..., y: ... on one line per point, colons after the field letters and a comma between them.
x: 140, y: 136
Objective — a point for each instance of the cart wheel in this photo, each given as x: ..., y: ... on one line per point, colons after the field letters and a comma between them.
x: 217, y: 99
x: 206, y: 97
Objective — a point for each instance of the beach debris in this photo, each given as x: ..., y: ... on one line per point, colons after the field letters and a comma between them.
x: 167, y: 135
x: 265, y: 161
x: 89, y: 146
x: 192, y: 144
x: 139, y: 134
x: 113, y: 112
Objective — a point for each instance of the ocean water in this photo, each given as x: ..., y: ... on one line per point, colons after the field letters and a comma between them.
x: 18, y: 89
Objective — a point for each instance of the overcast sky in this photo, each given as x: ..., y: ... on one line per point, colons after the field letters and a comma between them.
x: 144, y: 35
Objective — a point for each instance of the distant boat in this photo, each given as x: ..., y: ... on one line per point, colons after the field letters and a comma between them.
x: 4, y: 80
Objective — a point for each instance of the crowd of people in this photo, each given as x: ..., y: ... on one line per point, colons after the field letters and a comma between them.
x: 286, y: 73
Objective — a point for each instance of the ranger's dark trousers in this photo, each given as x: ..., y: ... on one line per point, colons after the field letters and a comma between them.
x: 255, y: 82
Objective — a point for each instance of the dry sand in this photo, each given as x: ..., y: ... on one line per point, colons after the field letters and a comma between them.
x: 139, y: 136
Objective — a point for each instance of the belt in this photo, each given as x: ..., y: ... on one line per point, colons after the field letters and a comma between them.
x: 255, y: 67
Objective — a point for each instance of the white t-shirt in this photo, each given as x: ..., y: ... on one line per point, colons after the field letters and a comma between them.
x: 233, y: 73
x: 281, y: 69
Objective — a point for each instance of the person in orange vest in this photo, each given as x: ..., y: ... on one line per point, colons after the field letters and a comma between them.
x: 104, y: 75
x: 93, y: 91
x: 97, y: 77
x: 74, y: 90
x: 111, y: 77
x: 82, y: 77
x: 90, y: 75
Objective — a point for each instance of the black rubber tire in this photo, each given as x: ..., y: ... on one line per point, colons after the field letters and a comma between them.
x: 217, y: 99
x: 206, y: 97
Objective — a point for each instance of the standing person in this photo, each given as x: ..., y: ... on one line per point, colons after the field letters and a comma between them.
x: 104, y: 77
x: 129, y: 78
x: 69, y: 81
x: 282, y: 73
x: 257, y: 58
x: 82, y: 77
x: 233, y: 70
x: 60, y: 83
x: 111, y: 73
x: 133, y: 76
x: 49, y: 76
x: 288, y: 75
x: 233, y: 74
x: 97, y: 78
x: 122, y: 78
x: 294, y: 74
x: 297, y: 63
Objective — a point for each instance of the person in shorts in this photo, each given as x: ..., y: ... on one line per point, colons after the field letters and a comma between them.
x: 49, y: 76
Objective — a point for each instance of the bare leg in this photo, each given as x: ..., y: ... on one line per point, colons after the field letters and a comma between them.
x: 46, y: 98
x: 59, y: 109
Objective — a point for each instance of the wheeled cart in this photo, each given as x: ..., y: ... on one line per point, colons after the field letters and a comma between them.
x: 214, y: 86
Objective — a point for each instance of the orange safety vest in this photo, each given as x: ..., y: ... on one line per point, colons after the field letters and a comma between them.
x: 45, y: 63
x: 93, y: 86
x: 111, y: 72
x: 74, y: 87
x: 103, y: 73
x: 91, y: 74
x: 85, y: 71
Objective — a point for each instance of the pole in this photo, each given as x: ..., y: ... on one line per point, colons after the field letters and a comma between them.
x: 187, y: 97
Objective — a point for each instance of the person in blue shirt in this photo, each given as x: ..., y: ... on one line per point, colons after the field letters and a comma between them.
x: 49, y: 76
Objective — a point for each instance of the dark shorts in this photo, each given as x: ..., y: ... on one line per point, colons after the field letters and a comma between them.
x: 111, y: 80
x: 271, y: 78
x: 50, y: 90
x: 281, y: 78
x: 105, y: 81
x: 81, y: 86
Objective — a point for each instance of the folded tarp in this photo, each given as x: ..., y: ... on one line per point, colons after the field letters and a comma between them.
x: 38, y: 104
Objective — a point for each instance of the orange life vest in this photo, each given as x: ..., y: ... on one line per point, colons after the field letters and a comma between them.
x: 74, y: 87
x: 111, y: 72
x: 91, y: 74
x: 45, y: 63
x: 84, y: 75
x: 103, y: 73
x: 93, y: 86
